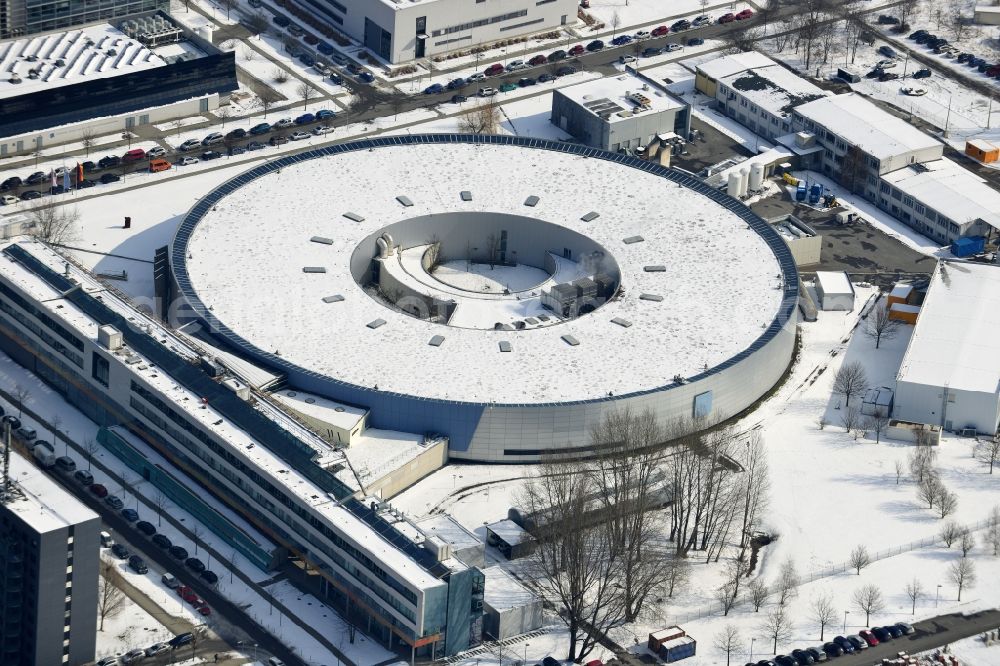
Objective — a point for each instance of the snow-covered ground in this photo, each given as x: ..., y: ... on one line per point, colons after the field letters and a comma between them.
x: 129, y: 629
x: 634, y: 13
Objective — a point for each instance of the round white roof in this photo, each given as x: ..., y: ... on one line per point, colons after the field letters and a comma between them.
x: 719, y: 283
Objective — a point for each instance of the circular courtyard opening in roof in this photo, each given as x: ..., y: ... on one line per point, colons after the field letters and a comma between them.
x: 485, y: 270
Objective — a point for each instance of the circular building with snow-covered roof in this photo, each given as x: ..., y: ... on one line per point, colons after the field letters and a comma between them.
x: 507, y: 293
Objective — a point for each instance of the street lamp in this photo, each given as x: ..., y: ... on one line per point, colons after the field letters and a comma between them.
x: 937, y: 596
x: 752, y: 639
x: 846, y: 613
x: 526, y: 652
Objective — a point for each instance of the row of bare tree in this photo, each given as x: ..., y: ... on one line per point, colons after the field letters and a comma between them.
x: 614, y: 531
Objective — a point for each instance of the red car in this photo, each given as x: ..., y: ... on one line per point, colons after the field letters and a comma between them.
x: 993, y: 71
x: 205, y: 610
x: 659, y: 31
x: 745, y: 14
x: 182, y: 590
x: 578, y: 50
x: 538, y: 60
x: 191, y: 598
x: 727, y: 18
x: 494, y: 69
x: 99, y: 490
x: 868, y: 637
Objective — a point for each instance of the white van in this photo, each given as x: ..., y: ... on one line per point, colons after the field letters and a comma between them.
x: 106, y: 540
x: 274, y: 661
x: 44, y: 453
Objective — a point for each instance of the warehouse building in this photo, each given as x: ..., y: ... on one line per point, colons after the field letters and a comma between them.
x: 55, y: 87
x: 950, y: 376
x: 834, y: 290
x: 510, y: 609
x: 402, y: 30
x: 49, y: 555
x: 19, y: 18
x: 620, y: 113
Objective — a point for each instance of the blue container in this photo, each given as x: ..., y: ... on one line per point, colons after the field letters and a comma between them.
x: 678, y: 649
x: 800, y: 192
x: 968, y: 246
x: 815, y: 192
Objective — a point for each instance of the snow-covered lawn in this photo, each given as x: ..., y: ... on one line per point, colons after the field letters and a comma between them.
x: 129, y: 629
x: 634, y: 13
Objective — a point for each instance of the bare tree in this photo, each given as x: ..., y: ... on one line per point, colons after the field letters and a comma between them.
x: 788, y: 580
x: 159, y: 503
x: 306, y: 90
x: 947, y: 502
x: 91, y: 448
x: 823, y: 612
x: 729, y: 642
x: 89, y: 139
x: 963, y: 574
x: 777, y: 626
x: 279, y: 75
x: 880, y: 325
x: 483, y: 118
x: 851, y: 381
x: 675, y: 574
x: 570, y: 562
x: 860, y: 558
x: 950, y: 533
x: 229, y: 5
x: 629, y: 487
x: 966, y: 542
x: 921, y: 462
x: 759, y: 592
x: 268, y: 98
x: 257, y: 24
x: 869, y: 600
x: 55, y: 225
x: 615, y: 22
x: 110, y: 598
x: 850, y: 418
x: 877, y: 423
x: 993, y: 530
x: 899, y: 467
x: 20, y: 394
x: 988, y: 451
x: 224, y: 113
x: 914, y: 590
x: 54, y: 424
x: 736, y: 571
x: 726, y: 597
x: 929, y: 489
x: 177, y: 124
x: 956, y: 20
x: 196, y: 536
x: 755, y: 487
x: 248, y: 54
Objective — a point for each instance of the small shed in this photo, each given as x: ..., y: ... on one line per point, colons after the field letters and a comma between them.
x: 658, y: 638
x: 465, y: 545
x: 902, y: 292
x: 981, y: 150
x: 509, y: 609
x: 904, y: 312
x: 834, y: 290
x: 677, y: 649
x: 510, y: 539
x: 877, y: 402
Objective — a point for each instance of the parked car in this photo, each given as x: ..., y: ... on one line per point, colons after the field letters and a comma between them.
x: 677, y: 26
x: 493, y: 70
x: 133, y: 155
x: 170, y: 581
x: 38, y: 176
x: 57, y: 189
x: 190, y: 144
x: 887, y: 51
x: 209, y: 577
x: 626, y: 58
x: 161, y: 541
x: 434, y: 89
x: 642, y: 35
x: 922, y: 74
x: 913, y: 91
x: 11, y: 183
x: 120, y: 551
x: 845, y: 644
x: 133, y: 656
x: 526, y: 81
x: 651, y: 52
x: 65, y: 464
x: 906, y: 628
x: 130, y: 515
x: 695, y: 41
x: 146, y: 528
x: 885, y: 19
x: 106, y: 162
x: 881, y: 634
x: 833, y: 649
x: 15, y: 423
x: 185, y: 161
x: 670, y: 48
x: 27, y: 434
x: 107, y: 661
x: 237, y: 150
x: 744, y: 15
x: 278, y: 140
x: 160, y: 648
x: 106, y: 540
x: 699, y: 21
x: 556, y: 56
x: 262, y: 128
x: 8, y: 200
x: 659, y: 31
x: 178, y: 553
x: 238, y: 133
x: 209, y: 155
x: 546, y: 77
x: 320, y: 130
x: 476, y: 76
x: 487, y: 92
x: 595, y: 45
x: 283, y: 123
x: 156, y: 151
x: 204, y: 610
x: 114, y: 502
x: 458, y: 99
x: 99, y: 490
x: 803, y: 657
x: 577, y: 50
x: 888, y: 76
x: 507, y: 87
x: 538, y: 60
x: 817, y: 653
x: 565, y: 70
x: 858, y: 642
x: 621, y: 40
x: 85, y: 183
x: 894, y: 630
x: 255, y: 145
x: 366, y: 76
x: 83, y: 477
x: 305, y: 119
x: 156, y: 166
x: 298, y: 135
x: 324, y: 47
x: 868, y: 637
x: 281, y: 20
x: 181, y: 639
x: 325, y: 114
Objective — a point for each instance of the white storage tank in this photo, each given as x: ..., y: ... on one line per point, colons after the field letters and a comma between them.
x: 756, y: 176
x: 744, y: 181
x: 733, y: 188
